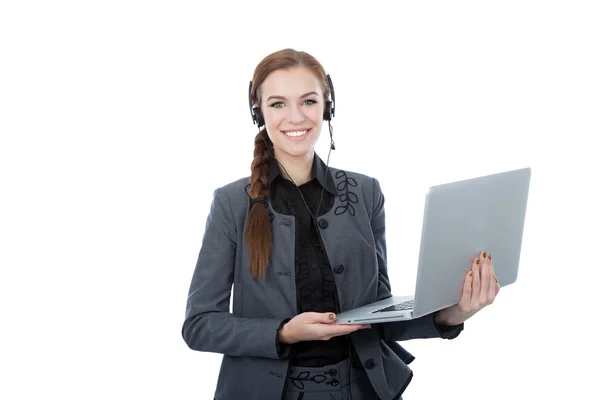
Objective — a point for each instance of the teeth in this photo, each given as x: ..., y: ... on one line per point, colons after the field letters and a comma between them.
x: 296, y: 133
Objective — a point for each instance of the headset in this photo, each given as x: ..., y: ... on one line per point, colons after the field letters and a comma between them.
x: 328, y: 112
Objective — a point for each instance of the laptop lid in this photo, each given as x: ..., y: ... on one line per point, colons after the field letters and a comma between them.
x: 461, y: 219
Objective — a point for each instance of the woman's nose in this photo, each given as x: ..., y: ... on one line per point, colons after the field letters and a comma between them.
x: 296, y: 115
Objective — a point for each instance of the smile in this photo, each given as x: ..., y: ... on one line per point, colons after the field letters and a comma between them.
x: 296, y: 133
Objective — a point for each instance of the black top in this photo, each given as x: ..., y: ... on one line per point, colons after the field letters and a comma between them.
x: 315, y: 286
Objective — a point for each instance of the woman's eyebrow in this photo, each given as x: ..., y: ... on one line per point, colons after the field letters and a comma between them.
x: 283, y: 98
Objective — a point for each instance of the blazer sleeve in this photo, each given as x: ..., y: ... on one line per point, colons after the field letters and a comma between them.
x: 208, y: 325
x: 424, y: 327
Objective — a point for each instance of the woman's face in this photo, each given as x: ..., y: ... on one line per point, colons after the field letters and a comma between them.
x: 292, y: 105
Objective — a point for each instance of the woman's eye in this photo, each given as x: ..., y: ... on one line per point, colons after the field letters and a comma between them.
x: 280, y: 104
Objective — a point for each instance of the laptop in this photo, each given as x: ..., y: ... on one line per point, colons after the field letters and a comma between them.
x: 461, y: 218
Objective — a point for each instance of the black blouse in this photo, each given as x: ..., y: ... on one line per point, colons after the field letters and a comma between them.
x: 315, y: 286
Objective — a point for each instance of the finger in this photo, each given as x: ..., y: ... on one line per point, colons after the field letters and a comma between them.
x: 476, y: 287
x: 465, y: 299
x: 315, y: 317
x: 328, y: 318
x: 485, y: 278
x: 493, y: 289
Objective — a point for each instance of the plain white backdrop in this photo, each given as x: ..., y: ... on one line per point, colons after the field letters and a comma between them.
x: 119, y: 118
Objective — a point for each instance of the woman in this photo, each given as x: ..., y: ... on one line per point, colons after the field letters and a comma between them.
x: 299, y: 242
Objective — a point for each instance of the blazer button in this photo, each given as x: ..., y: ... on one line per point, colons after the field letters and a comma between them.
x: 323, y: 224
x: 369, y: 364
x: 338, y: 269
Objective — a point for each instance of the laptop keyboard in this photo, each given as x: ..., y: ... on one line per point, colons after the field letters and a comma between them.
x: 407, y: 305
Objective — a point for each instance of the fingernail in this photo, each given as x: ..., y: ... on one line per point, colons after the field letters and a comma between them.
x: 484, y: 255
x: 477, y: 261
x: 331, y: 317
x: 470, y: 274
x: 489, y: 256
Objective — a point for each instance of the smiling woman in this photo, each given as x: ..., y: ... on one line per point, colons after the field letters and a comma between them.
x: 293, y: 121
x: 296, y: 254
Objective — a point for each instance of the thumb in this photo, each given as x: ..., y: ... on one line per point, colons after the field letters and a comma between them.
x: 327, y: 318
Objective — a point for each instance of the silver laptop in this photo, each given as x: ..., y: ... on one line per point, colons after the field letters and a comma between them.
x: 461, y: 219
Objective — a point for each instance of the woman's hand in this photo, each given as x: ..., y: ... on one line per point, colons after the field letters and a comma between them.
x: 315, y: 326
x: 479, y: 290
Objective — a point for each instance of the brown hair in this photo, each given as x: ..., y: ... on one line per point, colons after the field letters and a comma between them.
x: 258, y: 229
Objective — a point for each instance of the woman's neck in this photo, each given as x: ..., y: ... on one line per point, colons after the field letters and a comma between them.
x: 298, y: 169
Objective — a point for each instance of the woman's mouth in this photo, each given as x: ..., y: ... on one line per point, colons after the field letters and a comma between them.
x: 297, y: 134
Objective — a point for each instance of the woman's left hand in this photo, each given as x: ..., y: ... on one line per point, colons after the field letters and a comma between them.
x: 479, y: 290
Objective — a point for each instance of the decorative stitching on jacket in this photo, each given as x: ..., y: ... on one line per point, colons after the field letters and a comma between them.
x: 304, y: 376
x: 347, y: 197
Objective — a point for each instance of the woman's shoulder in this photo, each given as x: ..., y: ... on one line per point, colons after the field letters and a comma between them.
x: 230, y: 200
x: 346, y: 179
x: 234, y: 191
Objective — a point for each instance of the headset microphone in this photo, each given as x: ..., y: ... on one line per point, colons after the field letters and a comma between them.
x: 331, y: 136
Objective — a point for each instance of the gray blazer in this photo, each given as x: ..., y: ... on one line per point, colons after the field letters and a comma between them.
x: 353, y: 233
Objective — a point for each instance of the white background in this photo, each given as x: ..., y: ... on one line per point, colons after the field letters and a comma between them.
x: 119, y: 118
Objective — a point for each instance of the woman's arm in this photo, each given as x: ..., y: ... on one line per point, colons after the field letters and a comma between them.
x: 208, y: 324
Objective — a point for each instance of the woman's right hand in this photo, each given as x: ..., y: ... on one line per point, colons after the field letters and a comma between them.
x: 315, y: 326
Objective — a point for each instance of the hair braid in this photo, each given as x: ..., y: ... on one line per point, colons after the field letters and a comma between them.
x: 258, y: 230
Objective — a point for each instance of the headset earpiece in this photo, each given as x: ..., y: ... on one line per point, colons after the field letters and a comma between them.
x: 257, y: 117
x: 327, y: 114
x: 329, y: 111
